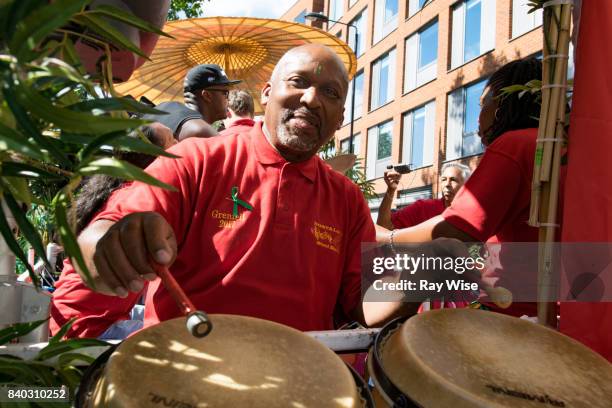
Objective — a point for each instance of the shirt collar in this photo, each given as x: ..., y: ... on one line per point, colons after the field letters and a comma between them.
x: 243, y: 122
x: 267, y: 154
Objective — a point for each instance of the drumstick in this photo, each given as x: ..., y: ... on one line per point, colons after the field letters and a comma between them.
x: 500, y: 296
x: 198, y: 323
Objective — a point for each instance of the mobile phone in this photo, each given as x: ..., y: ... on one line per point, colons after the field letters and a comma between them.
x: 402, y: 168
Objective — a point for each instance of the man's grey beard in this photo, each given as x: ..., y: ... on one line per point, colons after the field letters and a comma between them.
x: 290, y: 140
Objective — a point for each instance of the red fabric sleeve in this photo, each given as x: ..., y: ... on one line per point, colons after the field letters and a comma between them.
x: 94, y: 312
x: 174, y: 206
x: 486, y: 200
x: 408, y: 216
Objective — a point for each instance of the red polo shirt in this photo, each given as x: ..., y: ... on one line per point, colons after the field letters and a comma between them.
x: 417, y: 212
x: 291, y: 259
x: 238, y: 126
x: 493, y: 205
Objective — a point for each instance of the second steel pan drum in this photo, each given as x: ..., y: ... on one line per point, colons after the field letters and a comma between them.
x: 243, y: 362
x: 474, y: 358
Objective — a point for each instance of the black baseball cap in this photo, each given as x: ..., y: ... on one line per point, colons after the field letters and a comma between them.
x: 206, y: 75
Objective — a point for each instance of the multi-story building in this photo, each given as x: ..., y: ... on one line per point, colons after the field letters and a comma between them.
x: 421, y: 68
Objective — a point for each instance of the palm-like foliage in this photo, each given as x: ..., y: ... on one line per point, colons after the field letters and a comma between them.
x: 57, y: 122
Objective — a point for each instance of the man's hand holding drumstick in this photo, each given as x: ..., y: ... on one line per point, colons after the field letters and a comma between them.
x: 120, y: 253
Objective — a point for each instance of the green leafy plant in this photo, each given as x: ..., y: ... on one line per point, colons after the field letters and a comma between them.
x: 355, y: 173
x: 57, y: 122
x: 57, y: 364
x: 190, y: 9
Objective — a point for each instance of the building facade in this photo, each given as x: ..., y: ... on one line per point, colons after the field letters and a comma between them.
x: 421, y: 68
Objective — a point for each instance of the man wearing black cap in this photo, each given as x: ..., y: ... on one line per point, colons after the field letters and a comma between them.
x: 206, y: 89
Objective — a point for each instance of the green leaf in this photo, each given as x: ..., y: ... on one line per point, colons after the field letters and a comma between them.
x: 114, y: 104
x: 123, y: 143
x: 70, y: 55
x: 6, y: 232
x: 26, y: 229
x: 39, y: 24
x: 59, y: 68
x: 71, y: 376
x: 120, y: 169
x: 28, y: 126
x: 62, y: 331
x: 101, y: 27
x: 132, y: 144
x: 15, y: 169
x: 71, y: 121
x: 67, y: 358
x: 55, y: 349
x: 18, y: 187
x: 18, y: 329
x: 16, y: 11
x: 28, y: 372
x: 128, y: 18
x: 69, y: 240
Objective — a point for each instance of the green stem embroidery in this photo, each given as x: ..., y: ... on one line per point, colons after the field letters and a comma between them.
x: 238, y: 201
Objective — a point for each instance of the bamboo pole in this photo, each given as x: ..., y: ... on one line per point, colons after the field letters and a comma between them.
x: 548, y: 160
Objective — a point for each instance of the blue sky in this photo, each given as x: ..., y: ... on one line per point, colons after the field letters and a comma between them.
x: 247, y: 8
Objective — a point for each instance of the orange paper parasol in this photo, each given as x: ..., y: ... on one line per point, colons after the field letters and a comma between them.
x: 247, y: 49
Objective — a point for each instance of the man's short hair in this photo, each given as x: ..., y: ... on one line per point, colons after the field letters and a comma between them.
x: 241, y: 103
x: 465, y: 170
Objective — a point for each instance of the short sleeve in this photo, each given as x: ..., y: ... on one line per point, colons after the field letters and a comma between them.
x: 488, y: 198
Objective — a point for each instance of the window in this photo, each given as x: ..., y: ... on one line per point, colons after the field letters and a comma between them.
x: 522, y: 20
x: 415, y: 5
x: 374, y: 205
x: 418, y: 136
x: 358, y: 99
x: 407, y: 197
x: 462, y: 123
x: 383, y: 80
x: 360, y: 23
x: 327, y: 151
x: 339, y: 34
x: 473, y: 30
x: 379, y: 149
x: 336, y: 7
x: 421, y: 56
x: 385, y: 18
x: 345, y: 144
x: 301, y: 18
x: 352, y: 2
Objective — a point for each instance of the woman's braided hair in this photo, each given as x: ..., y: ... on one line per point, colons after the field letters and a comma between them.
x: 515, y: 112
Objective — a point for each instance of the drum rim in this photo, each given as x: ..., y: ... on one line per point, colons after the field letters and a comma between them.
x: 362, y: 387
x: 91, y: 376
x: 390, y: 391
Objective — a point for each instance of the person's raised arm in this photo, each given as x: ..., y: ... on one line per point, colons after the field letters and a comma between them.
x: 119, y: 254
x: 392, y: 179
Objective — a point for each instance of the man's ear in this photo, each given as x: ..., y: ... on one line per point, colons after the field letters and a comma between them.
x: 205, y: 95
x: 265, y: 94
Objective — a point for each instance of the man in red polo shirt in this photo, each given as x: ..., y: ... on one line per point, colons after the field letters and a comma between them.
x: 254, y: 226
x: 240, y: 113
x: 452, y: 177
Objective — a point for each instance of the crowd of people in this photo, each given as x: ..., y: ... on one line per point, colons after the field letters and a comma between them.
x: 259, y: 225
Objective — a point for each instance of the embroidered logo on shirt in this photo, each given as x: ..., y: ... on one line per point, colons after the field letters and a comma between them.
x: 327, y: 236
x: 226, y: 219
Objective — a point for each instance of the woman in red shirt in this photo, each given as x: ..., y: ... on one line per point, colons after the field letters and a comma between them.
x: 493, y: 205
